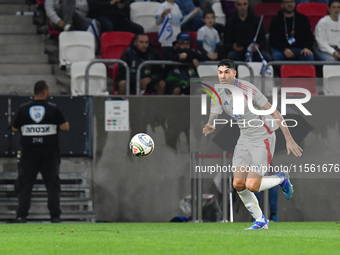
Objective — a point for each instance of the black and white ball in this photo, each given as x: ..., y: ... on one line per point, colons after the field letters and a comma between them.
x: 142, y: 145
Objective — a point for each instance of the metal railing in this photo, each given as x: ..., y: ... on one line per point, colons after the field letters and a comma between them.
x: 298, y: 63
x: 295, y: 63
x: 108, y: 61
x: 169, y: 62
x: 197, y: 188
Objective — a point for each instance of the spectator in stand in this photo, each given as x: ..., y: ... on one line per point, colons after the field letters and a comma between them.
x: 291, y: 36
x: 186, y: 7
x: 240, y: 32
x: 68, y: 14
x: 169, y: 18
x: 208, y: 39
x: 196, y: 22
x: 151, y: 76
x: 178, y: 77
x: 327, y: 34
x: 114, y: 15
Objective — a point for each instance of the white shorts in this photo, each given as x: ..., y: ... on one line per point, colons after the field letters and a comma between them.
x: 255, y: 154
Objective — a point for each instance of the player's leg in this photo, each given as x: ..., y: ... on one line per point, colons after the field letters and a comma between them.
x: 50, y: 174
x: 248, y: 198
x: 241, y: 160
x: 24, y: 184
x: 261, y: 156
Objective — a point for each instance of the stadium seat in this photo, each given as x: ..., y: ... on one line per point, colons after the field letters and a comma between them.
x: 269, y: 11
x: 144, y: 14
x: 305, y: 74
x: 207, y: 71
x: 113, y: 44
x: 331, y: 80
x: 194, y: 39
x: 244, y: 74
x: 314, y: 12
x: 41, y: 3
x: 75, y: 46
x: 153, y: 39
x: 219, y: 14
x: 97, y: 81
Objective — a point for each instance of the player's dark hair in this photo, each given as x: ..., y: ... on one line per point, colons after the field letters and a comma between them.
x: 208, y: 11
x: 331, y: 2
x: 40, y: 86
x: 228, y: 63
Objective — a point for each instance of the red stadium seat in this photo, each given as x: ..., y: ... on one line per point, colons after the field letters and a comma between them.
x: 41, y: 3
x: 194, y: 39
x: 153, y: 39
x: 269, y: 11
x: 314, y: 12
x: 299, y: 72
x: 113, y: 44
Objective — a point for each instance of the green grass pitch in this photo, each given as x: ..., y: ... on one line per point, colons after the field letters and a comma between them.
x: 170, y: 238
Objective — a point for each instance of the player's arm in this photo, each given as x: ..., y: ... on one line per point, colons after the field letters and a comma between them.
x: 290, y: 143
x: 65, y: 126
x: 15, y: 129
x: 209, y: 127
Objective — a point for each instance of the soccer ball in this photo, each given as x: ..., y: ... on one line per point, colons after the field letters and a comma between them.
x: 142, y: 145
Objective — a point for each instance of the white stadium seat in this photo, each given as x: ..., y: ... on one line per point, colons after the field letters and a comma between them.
x: 331, y: 80
x: 97, y: 81
x: 76, y: 46
x: 207, y: 71
x: 144, y: 14
x: 244, y: 74
x: 219, y: 14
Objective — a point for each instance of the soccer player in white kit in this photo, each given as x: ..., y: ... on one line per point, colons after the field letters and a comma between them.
x: 255, y: 146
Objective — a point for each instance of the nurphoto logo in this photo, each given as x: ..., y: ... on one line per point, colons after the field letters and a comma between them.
x: 238, y: 99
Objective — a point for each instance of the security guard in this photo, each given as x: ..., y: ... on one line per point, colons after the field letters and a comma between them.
x: 39, y: 122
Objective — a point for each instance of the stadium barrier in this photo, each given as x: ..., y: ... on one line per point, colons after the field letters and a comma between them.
x: 169, y: 62
x: 77, y: 110
x: 107, y: 61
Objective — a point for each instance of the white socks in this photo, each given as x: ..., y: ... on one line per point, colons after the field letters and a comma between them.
x: 250, y: 201
x: 269, y: 182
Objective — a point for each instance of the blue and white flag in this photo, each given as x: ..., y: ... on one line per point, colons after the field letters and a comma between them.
x: 264, y: 63
x: 249, y: 53
x: 166, y: 30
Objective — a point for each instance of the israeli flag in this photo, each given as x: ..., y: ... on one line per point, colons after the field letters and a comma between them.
x: 166, y: 31
x: 264, y: 63
x: 249, y: 53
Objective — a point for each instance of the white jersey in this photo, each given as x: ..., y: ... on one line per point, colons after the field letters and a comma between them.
x: 171, y: 25
x: 209, y: 37
x: 249, y: 123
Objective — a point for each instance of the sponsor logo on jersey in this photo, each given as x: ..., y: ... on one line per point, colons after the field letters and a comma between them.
x: 39, y: 130
x: 37, y: 113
